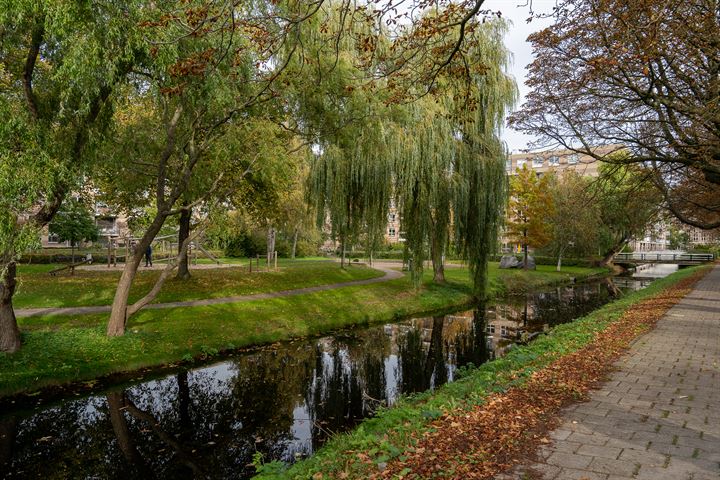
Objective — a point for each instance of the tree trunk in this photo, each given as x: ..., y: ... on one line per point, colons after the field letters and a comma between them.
x: 9, y: 332
x: 294, y: 247
x: 183, y: 272
x: 525, y: 256
x: 614, y: 250
x: 559, y: 264
x: 72, y: 252
x: 270, y: 246
x: 118, y: 313
x: 436, y: 252
x: 342, y: 252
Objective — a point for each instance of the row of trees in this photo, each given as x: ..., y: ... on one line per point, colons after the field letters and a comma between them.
x: 639, y: 75
x: 186, y: 109
x: 577, y: 215
x: 198, y: 106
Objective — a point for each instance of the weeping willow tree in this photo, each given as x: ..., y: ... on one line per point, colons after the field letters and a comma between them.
x: 343, y: 113
x: 450, y: 162
x: 350, y: 187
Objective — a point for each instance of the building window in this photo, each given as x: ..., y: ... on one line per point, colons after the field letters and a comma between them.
x: 391, y: 232
x: 554, y: 161
x: 537, y: 162
x: 503, y: 330
x: 490, y: 329
x: 53, y: 238
x: 573, y: 159
x: 508, y: 164
x: 392, y: 217
x: 521, y: 162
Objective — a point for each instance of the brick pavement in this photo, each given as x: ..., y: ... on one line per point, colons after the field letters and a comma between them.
x: 658, y: 417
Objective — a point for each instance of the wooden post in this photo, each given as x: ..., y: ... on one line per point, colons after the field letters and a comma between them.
x: 276, y: 260
x: 257, y: 259
x: 108, y: 254
x: 250, y: 263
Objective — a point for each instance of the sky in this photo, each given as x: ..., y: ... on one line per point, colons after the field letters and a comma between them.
x: 517, y: 11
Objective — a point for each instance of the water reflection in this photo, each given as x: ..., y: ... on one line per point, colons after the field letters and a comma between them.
x: 283, y: 401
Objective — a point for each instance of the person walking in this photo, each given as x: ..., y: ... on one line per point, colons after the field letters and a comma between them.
x: 148, y: 256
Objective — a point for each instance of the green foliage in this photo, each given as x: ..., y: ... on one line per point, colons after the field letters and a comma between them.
x: 398, y: 427
x: 51, y: 126
x: 74, y: 223
x: 531, y: 204
x: 628, y: 204
x: 574, y: 220
x: 60, y: 349
x: 678, y: 239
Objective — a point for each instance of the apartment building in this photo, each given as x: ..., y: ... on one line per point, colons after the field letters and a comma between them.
x: 110, y: 226
x: 392, y: 230
x: 557, y: 161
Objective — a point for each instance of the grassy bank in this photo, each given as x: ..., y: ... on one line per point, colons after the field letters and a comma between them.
x: 36, y: 288
x: 61, y: 349
x: 391, y: 434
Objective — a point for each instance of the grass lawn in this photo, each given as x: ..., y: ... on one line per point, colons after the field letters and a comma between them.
x: 36, y: 288
x: 393, y: 431
x: 61, y: 349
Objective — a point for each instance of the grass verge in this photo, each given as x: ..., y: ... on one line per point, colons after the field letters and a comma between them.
x: 395, y: 436
x: 37, y: 289
x: 62, y: 349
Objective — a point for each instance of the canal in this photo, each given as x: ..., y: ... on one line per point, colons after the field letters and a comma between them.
x: 283, y: 401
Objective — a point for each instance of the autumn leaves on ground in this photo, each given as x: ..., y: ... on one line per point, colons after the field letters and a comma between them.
x: 458, y: 446
x: 479, y: 435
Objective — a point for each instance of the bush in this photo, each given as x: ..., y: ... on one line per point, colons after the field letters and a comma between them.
x: 246, y: 244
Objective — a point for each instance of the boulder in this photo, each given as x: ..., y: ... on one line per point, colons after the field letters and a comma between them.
x: 531, y: 263
x: 509, y: 261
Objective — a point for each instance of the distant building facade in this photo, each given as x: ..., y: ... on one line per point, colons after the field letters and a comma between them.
x: 111, y: 226
x: 552, y: 161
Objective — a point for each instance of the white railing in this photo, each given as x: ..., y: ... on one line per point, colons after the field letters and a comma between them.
x: 665, y: 257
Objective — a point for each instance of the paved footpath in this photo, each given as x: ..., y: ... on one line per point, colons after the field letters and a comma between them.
x: 390, y: 274
x: 658, y: 418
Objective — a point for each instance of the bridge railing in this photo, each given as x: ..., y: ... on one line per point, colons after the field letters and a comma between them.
x: 666, y: 257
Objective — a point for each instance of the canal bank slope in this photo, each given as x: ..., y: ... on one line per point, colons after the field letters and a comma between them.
x: 482, y: 424
x: 657, y: 415
x: 63, y: 349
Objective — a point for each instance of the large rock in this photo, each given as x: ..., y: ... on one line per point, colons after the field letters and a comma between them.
x: 509, y: 261
x: 531, y: 263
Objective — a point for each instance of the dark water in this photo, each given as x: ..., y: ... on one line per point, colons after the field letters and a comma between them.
x: 283, y: 401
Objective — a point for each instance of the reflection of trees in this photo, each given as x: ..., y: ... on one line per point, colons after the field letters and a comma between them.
x: 435, y: 362
x: 8, y: 432
x: 116, y: 405
x: 411, y: 359
x: 473, y: 347
x: 612, y: 289
x: 574, y: 302
x: 213, y: 419
x: 180, y: 453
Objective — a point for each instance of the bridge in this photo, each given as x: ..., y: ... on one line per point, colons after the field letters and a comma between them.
x: 640, y: 258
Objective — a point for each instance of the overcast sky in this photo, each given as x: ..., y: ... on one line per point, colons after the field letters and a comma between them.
x: 517, y: 12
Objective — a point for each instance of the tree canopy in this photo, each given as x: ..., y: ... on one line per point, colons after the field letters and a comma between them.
x: 74, y: 223
x: 531, y: 205
x: 642, y: 76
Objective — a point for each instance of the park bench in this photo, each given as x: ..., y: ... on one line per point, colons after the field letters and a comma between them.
x: 70, y: 267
